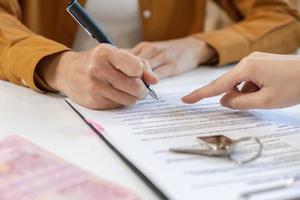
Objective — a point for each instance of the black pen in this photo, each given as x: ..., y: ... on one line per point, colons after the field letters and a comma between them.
x: 86, y: 22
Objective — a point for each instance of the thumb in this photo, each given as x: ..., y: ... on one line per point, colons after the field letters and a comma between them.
x: 244, y: 101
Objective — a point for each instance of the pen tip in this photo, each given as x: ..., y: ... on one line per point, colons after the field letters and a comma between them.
x: 153, y: 94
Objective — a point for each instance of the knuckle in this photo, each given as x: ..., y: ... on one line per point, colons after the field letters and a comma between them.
x: 144, y: 44
x: 256, y: 54
x: 248, y: 65
x: 171, y: 70
x: 216, y: 86
x: 103, y: 47
x: 102, y: 50
x: 104, y: 54
x: 157, y: 48
x: 92, y: 70
x: 249, y: 71
x: 245, y: 62
x: 198, y: 92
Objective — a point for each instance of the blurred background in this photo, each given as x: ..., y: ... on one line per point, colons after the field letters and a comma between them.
x: 214, y: 21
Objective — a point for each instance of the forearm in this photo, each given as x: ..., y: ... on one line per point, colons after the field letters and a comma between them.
x: 266, y: 26
x: 53, y: 69
x: 21, y: 51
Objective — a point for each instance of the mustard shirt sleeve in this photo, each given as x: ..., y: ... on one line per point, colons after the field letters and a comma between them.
x: 20, y: 49
x: 262, y: 25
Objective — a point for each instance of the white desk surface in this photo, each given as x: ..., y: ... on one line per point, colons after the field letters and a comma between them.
x: 50, y: 123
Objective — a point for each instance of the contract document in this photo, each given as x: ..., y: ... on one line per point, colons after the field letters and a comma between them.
x: 145, y: 132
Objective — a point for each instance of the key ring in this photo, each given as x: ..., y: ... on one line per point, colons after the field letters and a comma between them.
x: 249, y: 140
x: 240, y: 151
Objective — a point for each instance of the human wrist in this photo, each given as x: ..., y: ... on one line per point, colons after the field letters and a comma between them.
x: 206, y: 53
x: 52, y: 69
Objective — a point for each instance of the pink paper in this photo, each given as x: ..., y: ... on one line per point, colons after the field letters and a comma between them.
x: 30, y: 173
x: 96, y: 125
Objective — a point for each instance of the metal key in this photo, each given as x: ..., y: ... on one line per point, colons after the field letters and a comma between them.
x: 218, y: 146
x: 241, y: 151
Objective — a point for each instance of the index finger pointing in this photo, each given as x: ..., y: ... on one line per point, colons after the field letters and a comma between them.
x: 217, y: 87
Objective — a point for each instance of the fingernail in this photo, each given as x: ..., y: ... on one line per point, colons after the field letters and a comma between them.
x: 183, y: 99
x: 225, y: 102
x: 186, y: 99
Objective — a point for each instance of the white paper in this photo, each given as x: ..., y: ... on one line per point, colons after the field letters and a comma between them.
x: 144, y: 133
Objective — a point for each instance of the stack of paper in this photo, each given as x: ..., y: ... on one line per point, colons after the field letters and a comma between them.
x: 144, y: 133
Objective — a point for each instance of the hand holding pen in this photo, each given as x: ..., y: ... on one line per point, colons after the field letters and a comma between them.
x: 104, y: 77
x: 89, y: 25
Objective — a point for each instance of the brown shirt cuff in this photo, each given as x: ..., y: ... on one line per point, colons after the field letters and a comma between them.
x: 229, y: 45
